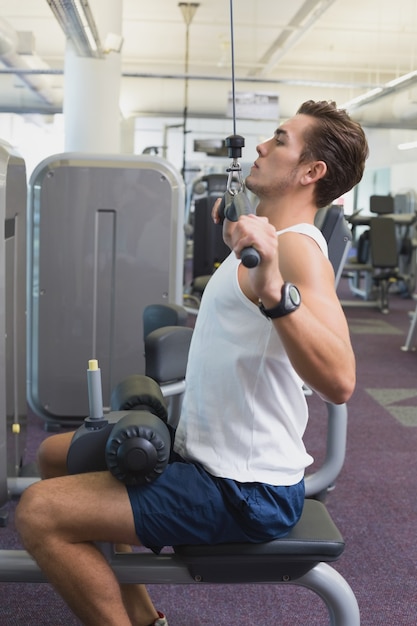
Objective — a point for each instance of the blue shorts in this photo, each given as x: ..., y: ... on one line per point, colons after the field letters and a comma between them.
x: 187, y: 505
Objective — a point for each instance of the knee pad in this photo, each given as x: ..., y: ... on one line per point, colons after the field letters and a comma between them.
x: 133, y: 442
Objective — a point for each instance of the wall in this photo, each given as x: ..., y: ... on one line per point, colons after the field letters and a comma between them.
x: 385, y: 155
x: 33, y: 136
x: 155, y: 131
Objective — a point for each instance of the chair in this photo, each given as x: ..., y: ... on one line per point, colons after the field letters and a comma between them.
x: 381, y: 270
x: 385, y: 257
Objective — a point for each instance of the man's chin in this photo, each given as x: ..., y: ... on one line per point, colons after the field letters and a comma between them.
x: 249, y: 183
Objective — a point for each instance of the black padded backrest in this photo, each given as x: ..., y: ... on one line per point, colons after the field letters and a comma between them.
x: 382, y: 205
x: 159, y: 315
x: 383, y: 241
x: 166, y: 353
x: 337, y: 233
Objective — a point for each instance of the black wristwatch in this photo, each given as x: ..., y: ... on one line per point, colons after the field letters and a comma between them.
x: 290, y: 301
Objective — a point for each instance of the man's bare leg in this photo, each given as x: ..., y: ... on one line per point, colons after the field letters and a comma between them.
x: 52, y: 455
x: 52, y: 463
x: 135, y: 597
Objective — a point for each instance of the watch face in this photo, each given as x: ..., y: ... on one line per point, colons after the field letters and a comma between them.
x: 294, y: 295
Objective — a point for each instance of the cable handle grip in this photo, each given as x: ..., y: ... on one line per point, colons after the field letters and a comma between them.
x: 250, y: 257
x: 232, y: 207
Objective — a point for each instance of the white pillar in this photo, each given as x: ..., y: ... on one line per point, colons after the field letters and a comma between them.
x: 92, y: 90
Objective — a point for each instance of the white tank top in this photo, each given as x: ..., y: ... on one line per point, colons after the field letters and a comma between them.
x: 244, y: 412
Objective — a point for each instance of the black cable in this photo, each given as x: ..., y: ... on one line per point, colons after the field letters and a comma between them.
x: 232, y: 50
x: 235, y: 202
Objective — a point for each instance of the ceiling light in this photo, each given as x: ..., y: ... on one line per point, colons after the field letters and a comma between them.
x: 188, y: 10
x: 401, y: 79
x: 77, y: 22
x: 407, y: 146
x: 362, y: 99
x: 379, y: 92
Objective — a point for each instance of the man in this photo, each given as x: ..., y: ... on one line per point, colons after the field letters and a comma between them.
x: 260, y: 334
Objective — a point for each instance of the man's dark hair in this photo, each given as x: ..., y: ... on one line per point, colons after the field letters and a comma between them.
x: 338, y: 141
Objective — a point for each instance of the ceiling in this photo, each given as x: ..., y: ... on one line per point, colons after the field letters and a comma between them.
x: 319, y: 49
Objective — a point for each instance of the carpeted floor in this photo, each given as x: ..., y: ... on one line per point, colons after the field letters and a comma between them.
x: 374, y: 504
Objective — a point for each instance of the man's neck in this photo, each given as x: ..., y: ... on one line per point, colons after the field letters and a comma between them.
x: 285, y: 213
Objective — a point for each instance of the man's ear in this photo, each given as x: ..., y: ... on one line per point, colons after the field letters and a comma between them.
x: 315, y: 171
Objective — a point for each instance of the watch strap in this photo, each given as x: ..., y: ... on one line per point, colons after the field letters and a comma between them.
x: 286, y: 305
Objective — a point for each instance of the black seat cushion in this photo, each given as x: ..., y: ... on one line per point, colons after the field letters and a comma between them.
x: 314, y: 539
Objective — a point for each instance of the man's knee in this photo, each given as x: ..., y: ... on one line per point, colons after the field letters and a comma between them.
x: 46, y: 458
x: 52, y: 455
x: 33, y: 515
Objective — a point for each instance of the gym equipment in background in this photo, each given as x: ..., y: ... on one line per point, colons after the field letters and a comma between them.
x: 381, y: 270
x: 105, y: 239
x: 386, y: 253
x: 12, y: 320
x: 209, y: 249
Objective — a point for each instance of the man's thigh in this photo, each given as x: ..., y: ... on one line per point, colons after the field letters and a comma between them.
x: 83, y: 507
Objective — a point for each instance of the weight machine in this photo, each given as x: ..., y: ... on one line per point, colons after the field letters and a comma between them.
x: 301, y: 558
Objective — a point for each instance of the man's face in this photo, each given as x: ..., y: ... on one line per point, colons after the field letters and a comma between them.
x: 277, y: 168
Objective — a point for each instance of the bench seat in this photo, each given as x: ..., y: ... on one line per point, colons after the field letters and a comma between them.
x: 314, y: 539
